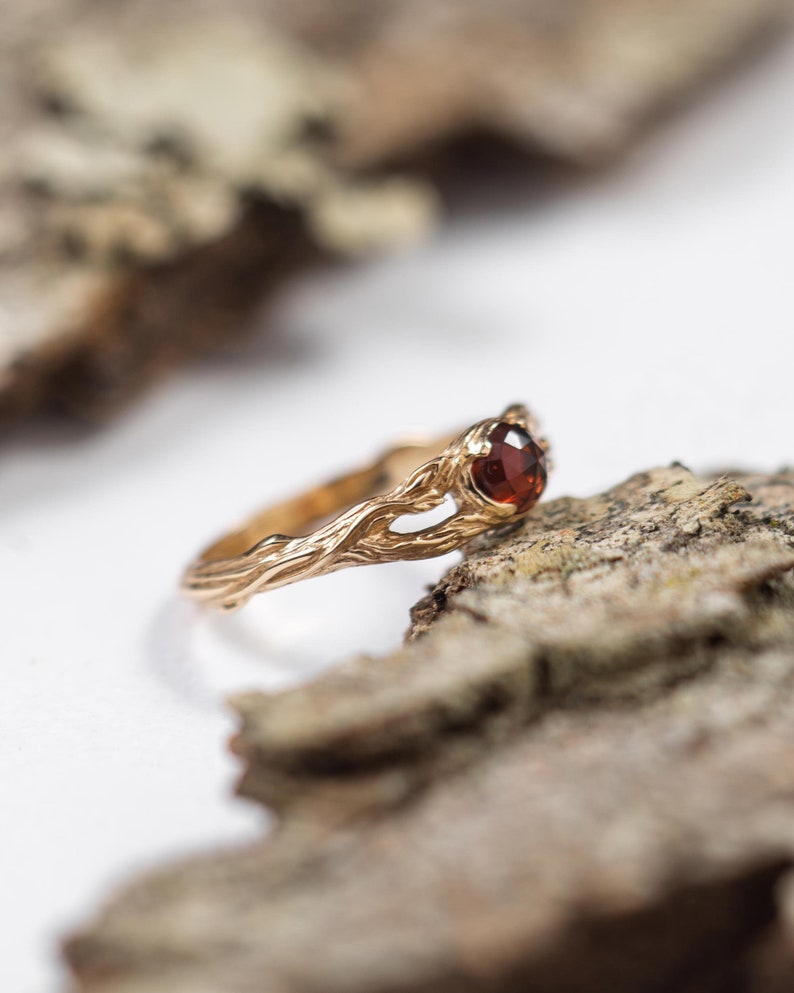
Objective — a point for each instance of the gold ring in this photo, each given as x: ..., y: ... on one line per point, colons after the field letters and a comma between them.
x: 495, y: 471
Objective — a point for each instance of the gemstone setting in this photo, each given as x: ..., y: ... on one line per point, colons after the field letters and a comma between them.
x: 514, y: 471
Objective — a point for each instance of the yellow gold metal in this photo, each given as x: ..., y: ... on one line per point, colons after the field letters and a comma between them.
x: 301, y: 537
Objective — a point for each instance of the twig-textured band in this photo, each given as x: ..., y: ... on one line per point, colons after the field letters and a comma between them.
x: 368, y: 502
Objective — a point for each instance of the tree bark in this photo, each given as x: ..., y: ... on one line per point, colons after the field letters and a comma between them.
x: 164, y: 174
x: 169, y: 162
x: 577, y: 775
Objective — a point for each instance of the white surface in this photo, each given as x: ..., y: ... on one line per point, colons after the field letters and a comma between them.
x: 112, y: 732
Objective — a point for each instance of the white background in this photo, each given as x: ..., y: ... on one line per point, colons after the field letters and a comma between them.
x: 646, y: 314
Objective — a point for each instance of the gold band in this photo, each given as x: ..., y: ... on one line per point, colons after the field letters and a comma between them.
x: 349, y: 520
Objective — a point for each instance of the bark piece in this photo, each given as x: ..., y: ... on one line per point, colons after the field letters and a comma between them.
x: 575, y: 78
x: 160, y: 183
x: 135, y: 136
x: 613, y: 598
x: 577, y: 775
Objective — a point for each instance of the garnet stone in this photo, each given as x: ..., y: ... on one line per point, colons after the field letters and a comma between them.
x: 514, y: 471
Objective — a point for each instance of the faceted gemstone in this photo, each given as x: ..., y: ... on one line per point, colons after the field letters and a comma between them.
x: 514, y: 471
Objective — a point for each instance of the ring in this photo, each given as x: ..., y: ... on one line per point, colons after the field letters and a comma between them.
x: 495, y: 472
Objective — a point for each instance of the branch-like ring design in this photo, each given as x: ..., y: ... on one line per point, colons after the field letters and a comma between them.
x: 495, y: 471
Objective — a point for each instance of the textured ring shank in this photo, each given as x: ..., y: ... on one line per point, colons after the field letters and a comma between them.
x: 348, y: 521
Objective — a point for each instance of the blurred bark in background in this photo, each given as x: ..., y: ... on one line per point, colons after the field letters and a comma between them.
x: 576, y: 777
x: 168, y: 163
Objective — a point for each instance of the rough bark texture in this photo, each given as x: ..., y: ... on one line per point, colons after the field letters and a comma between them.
x: 136, y: 137
x: 576, y: 776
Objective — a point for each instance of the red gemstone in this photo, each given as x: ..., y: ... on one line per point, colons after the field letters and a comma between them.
x: 514, y: 471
